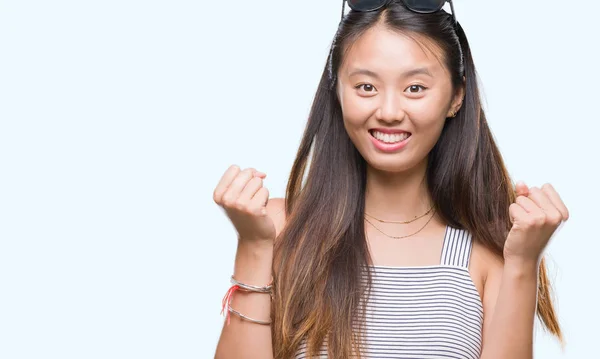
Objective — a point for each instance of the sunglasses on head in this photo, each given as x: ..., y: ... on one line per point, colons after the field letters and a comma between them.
x: 420, y: 6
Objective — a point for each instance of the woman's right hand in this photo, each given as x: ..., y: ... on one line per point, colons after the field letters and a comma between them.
x: 244, y: 199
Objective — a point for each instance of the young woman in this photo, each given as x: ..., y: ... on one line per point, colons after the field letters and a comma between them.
x: 406, y: 238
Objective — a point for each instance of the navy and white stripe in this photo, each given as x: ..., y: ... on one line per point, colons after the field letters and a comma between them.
x: 457, y: 248
x: 426, y: 311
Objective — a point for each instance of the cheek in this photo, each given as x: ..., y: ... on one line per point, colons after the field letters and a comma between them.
x: 356, y: 112
x: 427, y: 115
x: 356, y: 115
x: 427, y: 130
x: 427, y: 122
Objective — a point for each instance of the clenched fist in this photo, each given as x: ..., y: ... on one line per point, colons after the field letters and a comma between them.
x: 244, y: 199
x: 536, y: 215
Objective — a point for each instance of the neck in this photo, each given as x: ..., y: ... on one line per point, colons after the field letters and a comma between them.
x: 397, y: 196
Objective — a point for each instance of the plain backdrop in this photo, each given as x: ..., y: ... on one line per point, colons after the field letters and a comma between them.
x: 119, y: 117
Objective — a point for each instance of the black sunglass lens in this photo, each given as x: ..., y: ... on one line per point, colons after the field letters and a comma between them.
x: 365, y: 5
x: 424, y: 5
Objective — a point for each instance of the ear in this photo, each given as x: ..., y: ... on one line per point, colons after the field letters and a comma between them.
x: 457, y: 100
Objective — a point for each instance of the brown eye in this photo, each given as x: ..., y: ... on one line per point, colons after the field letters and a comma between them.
x: 416, y: 87
x: 366, y: 87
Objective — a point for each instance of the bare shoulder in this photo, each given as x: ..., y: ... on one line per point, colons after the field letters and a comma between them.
x: 276, y: 210
x: 484, y: 264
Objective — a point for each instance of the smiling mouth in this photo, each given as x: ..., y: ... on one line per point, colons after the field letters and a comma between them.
x: 389, y: 138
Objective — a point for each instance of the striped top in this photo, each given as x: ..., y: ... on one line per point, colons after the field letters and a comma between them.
x: 425, y: 311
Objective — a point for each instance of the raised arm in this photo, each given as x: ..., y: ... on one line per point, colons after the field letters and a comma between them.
x: 509, y: 304
x: 242, y: 196
x: 510, y: 291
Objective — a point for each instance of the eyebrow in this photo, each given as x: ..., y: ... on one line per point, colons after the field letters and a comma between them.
x: 413, y: 72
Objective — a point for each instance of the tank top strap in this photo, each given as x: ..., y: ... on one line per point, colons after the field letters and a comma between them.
x: 456, y: 250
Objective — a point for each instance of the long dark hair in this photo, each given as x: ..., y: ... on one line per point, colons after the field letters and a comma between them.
x: 321, y: 254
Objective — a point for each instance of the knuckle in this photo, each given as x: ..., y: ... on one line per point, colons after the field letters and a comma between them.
x: 531, y: 220
x: 539, y: 219
x: 239, y: 205
x: 555, y: 219
x: 243, y: 206
x: 244, y: 174
x: 531, y: 223
x: 546, y: 186
x: 228, y: 201
x: 216, y: 197
x: 528, y: 221
x: 257, y: 180
x: 233, y: 170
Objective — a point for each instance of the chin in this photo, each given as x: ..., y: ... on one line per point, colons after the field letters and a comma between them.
x: 391, y: 165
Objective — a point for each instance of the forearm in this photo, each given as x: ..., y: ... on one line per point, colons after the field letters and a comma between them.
x: 511, y: 329
x: 243, y: 339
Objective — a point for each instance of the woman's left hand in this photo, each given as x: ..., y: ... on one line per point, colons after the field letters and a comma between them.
x: 536, y: 214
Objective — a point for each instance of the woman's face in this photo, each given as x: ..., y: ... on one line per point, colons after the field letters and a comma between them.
x: 389, y: 82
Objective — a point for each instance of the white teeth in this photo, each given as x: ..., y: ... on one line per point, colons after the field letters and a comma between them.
x: 393, y: 138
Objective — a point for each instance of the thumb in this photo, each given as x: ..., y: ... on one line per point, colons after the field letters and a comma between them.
x: 522, y: 189
x: 259, y: 174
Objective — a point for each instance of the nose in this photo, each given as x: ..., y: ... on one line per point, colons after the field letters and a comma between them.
x: 390, y: 109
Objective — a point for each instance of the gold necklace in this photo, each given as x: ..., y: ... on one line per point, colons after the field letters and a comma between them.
x: 396, y: 237
x: 401, y: 222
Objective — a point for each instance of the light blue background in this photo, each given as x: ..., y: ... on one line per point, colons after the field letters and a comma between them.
x: 119, y: 117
